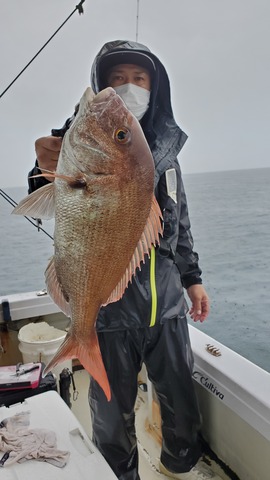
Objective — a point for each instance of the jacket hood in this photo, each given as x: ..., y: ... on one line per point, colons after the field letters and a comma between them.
x: 164, y: 136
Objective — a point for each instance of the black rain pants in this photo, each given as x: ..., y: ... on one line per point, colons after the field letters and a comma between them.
x: 165, y: 350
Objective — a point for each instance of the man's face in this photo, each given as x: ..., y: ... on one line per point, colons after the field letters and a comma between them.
x: 129, y: 73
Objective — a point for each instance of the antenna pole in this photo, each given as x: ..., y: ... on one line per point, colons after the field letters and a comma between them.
x: 137, y: 20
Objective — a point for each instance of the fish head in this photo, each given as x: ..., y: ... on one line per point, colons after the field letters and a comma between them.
x: 105, y: 139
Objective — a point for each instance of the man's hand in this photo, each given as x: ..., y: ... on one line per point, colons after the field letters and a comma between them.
x: 200, y: 307
x: 47, y: 151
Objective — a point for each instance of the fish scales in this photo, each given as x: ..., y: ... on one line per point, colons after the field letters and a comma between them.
x: 105, y: 220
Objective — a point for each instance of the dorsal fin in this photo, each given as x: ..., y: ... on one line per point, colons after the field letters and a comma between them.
x: 55, y: 290
x: 149, y: 237
x: 39, y: 204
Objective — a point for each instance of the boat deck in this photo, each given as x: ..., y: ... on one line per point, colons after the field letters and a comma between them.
x: 148, y: 443
x: 233, y: 395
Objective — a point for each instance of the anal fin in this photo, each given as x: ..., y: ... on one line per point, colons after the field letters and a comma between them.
x: 54, y: 288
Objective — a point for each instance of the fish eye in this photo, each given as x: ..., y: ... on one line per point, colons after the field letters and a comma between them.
x: 122, y: 135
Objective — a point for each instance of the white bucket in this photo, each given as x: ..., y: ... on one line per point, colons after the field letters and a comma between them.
x: 38, y: 342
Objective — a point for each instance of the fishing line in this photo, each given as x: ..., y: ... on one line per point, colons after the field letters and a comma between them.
x: 137, y: 20
x: 14, y: 204
x: 79, y: 7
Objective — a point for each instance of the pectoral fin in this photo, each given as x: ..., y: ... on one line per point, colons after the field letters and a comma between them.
x: 39, y: 204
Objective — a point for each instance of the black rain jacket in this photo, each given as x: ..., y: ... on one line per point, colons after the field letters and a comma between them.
x: 156, y: 292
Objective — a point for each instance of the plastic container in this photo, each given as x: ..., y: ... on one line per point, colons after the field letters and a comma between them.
x: 38, y: 342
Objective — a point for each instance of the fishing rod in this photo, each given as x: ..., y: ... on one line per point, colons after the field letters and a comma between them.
x: 78, y: 7
x: 14, y: 204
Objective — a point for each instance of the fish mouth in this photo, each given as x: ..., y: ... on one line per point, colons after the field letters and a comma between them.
x: 103, y: 95
x: 103, y: 100
x: 97, y: 109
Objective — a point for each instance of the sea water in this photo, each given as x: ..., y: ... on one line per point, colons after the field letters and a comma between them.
x: 230, y: 218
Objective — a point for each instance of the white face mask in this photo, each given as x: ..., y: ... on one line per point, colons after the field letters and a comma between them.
x: 136, y: 98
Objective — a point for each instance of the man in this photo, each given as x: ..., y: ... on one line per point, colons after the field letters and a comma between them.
x: 148, y: 325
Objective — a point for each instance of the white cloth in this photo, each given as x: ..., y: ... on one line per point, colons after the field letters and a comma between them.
x: 22, y: 443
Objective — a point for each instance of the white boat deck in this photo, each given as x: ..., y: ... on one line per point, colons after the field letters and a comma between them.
x: 72, y: 456
x: 234, y: 397
x: 148, y: 446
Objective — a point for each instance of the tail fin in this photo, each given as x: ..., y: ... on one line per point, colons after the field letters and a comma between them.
x: 89, y: 355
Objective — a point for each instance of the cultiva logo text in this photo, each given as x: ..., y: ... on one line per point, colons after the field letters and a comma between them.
x: 207, y: 383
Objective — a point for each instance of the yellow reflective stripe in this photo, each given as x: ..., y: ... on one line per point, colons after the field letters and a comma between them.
x: 153, y: 286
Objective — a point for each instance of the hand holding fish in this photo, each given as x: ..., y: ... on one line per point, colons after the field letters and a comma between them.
x: 200, y: 303
x: 47, y: 151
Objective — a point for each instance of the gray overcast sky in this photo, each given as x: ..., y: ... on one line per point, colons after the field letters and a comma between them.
x: 216, y: 53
